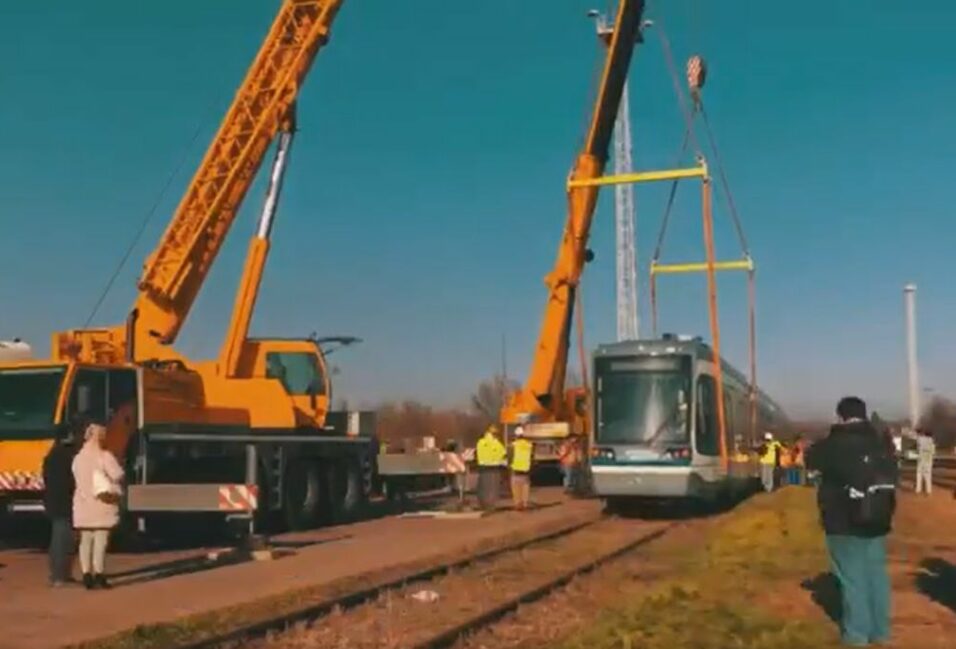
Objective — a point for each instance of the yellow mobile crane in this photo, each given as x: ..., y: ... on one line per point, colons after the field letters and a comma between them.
x: 248, y: 431
x: 546, y: 409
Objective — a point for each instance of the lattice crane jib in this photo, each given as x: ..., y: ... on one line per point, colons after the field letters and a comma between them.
x: 176, y: 270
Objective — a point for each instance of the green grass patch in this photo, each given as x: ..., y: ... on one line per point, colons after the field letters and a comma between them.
x: 712, y: 596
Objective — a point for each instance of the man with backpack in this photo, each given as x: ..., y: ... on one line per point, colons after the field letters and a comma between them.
x: 857, y: 500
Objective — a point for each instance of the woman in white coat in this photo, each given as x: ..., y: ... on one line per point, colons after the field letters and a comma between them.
x: 95, y: 503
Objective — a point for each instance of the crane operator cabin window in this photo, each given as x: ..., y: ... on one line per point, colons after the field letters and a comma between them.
x: 298, y: 372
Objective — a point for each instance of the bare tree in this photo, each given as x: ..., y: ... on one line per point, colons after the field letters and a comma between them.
x: 939, y: 418
x: 491, y: 395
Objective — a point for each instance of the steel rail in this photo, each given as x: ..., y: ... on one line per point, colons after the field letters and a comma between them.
x: 450, y: 636
x: 312, y: 612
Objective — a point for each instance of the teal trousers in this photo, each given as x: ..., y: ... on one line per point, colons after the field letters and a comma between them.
x: 859, y: 565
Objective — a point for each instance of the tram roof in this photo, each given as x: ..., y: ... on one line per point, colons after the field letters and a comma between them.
x: 684, y: 345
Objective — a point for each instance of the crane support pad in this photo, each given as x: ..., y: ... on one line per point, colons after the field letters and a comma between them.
x: 192, y: 498
x: 434, y: 463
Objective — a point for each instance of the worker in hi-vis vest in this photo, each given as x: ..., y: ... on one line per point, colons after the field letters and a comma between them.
x: 522, y: 458
x: 769, y: 451
x: 491, y: 456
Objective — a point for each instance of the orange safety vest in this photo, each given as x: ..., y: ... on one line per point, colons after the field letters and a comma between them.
x: 785, y: 458
x: 567, y: 454
x: 798, y: 456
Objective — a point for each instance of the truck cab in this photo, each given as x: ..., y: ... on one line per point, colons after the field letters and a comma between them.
x: 37, y: 403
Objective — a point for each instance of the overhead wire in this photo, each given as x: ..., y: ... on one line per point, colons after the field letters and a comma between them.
x: 146, y: 221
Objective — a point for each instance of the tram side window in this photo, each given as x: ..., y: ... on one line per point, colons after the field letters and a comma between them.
x: 707, y: 427
x: 730, y: 417
x: 88, y: 397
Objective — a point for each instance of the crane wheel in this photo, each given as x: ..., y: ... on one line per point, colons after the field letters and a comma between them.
x: 302, y: 496
x: 346, y: 489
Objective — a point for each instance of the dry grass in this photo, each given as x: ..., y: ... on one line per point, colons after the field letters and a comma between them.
x: 748, y: 579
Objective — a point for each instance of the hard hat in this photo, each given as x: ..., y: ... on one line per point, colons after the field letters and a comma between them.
x: 519, y: 432
x: 768, y: 436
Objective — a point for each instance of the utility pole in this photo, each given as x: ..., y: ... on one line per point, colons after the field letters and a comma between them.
x: 628, y: 325
x: 909, y: 299
x: 504, y: 358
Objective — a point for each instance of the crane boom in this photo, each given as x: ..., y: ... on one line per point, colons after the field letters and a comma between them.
x: 542, y: 396
x: 176, y: 269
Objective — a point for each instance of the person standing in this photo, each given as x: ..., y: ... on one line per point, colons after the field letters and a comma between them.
x: 799, y: 461
x: 491, y: 455
x: 857, y: 500
x: 925, y: 453
x: 95, y: 503
x: 768, y: 461
x: 522, y: 459
x: 569, y: 457
x: 58, y: 487
x: 785, y: 463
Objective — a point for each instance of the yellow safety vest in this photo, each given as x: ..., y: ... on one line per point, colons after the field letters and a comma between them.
x: 490, y: 451
x: 770, y: 456
x: 521, y: 455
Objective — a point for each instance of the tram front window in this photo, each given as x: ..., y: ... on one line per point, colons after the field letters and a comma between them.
x: 643, y: 401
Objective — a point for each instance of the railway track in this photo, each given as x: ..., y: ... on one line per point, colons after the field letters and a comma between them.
x: 438, y: 607
x: 944, y: 476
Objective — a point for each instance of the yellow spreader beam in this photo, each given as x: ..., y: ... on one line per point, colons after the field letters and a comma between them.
x: 641, y: 177
x: 698, y: 267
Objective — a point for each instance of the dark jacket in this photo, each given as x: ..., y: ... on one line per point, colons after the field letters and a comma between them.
x: 58, y: 481
x: 830, y: 457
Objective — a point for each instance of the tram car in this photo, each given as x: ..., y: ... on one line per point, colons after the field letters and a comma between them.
x: 656, y: 428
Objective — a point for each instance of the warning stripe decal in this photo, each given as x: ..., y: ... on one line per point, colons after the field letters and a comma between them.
x: 238, y: 498
x: 21, y: 481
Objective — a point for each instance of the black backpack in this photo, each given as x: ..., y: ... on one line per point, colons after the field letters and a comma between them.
x: 872, y: 479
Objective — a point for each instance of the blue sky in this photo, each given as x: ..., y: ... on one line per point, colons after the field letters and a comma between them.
x: 425, y: 198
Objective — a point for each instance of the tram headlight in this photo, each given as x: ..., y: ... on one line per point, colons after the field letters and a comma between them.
x: 601, y: 453
x: 679, y: 453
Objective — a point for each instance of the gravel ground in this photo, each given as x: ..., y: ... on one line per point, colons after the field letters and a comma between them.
x: 398, y: 619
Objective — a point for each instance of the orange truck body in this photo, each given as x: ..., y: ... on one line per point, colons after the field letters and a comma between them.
x: 256, y: 386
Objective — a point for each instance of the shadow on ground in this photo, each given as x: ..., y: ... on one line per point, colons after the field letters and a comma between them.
x: 825, y: 591
x: 674, y: 508
x: 937, y: 580
x: 201, y: 562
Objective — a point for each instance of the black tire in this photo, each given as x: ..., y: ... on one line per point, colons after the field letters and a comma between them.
x: 303, y: 495
x: 346, y: 489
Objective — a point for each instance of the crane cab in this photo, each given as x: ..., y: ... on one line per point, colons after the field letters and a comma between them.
x: 38, y: 401
x: 299, y: 368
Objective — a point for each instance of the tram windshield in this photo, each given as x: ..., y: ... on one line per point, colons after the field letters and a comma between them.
x: 643, y: 401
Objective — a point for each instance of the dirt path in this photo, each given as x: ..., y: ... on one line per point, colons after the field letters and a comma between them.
x: 37, y: 617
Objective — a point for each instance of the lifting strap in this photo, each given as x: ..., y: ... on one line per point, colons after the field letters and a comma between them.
x: 696, y: 72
